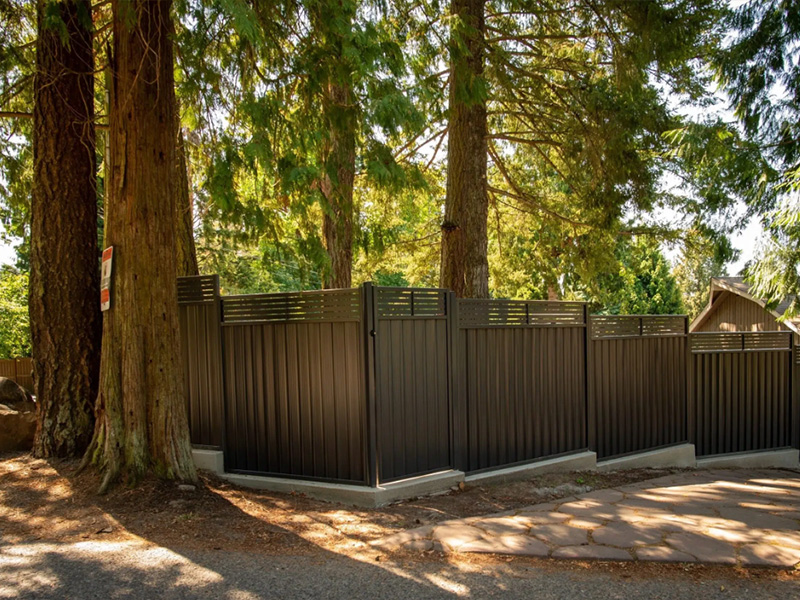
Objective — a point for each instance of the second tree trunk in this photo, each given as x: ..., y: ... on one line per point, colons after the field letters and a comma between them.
x: 465, y: 266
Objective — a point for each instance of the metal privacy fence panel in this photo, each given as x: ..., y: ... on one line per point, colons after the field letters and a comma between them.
x: 741, y: 391
x: 412, y: 381
x: 637, y: 383
x: 201, y: 348
x: 295, y: 398
x: 378, y: 384
x: 519, y: 381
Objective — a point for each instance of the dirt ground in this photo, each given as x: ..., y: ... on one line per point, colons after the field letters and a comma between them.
x: 45, y: 501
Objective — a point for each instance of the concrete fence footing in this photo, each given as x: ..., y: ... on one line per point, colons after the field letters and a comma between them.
x: 682, y: 456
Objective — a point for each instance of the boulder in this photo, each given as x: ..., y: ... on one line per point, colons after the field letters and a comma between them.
x: 16, y: 428
x: 15, y: 396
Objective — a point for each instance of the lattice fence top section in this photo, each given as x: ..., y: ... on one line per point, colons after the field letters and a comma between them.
x: 519, y: 313
x: 746, y: 341
x: 626, y: 326
x: 326, y: 305
x: 410, y: 302
x: 201, y: 288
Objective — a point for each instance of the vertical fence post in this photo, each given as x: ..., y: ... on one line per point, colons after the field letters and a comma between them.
x: 370, y: 366
x: 457, y: 408
x: 222, y: 386
x: 588, y: 359
x: 794, y: 391
x: 689, y: 401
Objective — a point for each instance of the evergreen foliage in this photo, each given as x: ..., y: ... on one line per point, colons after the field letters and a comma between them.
x: 699, y: 261
x: 15, y: 334
x: 760, y: 70
x: 588, y: 150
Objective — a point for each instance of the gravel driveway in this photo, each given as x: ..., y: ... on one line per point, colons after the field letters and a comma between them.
x: 140, y: 570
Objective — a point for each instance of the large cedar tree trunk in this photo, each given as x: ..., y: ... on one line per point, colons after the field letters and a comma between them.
x: 141, y: 421
x: 465, y: 265
x: 64, y: 299
x: 337, y: 184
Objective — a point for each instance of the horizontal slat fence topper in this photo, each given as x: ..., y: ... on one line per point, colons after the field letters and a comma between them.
x: 412, y: 381
x: 620, y: 326
x: 328, y: 305
x: 410, y: 303
x: 741, y: 391
x: 637, y: 383
x: 506, y: 313
x: 295, y: 396
x: 201, y: 347
x: 741, y: 341
x: 519, y: 381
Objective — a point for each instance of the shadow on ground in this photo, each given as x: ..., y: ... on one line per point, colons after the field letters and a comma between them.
x: 61, y: 541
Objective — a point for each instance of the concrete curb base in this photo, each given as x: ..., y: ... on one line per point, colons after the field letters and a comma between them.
x: 209, y: 460
x: 356, y: 495
x: 784, y: 458
x: 582, y: 461
x: 673, y: 456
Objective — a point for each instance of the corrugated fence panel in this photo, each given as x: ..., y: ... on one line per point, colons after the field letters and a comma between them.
x: 201, y: 339
x: 295, y: 389
x: 638, y: 384
x: 520, y: 381
x: 412, y: 382
x: 741, y: 388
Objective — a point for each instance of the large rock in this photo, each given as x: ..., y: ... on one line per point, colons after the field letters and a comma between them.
x: 16, y: 428
x: 15, y: 396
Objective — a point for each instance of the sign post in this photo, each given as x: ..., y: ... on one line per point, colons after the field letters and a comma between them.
x: 105, y: 279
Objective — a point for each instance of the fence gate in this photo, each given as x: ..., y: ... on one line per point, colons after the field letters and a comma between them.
x: 741, y: 391
x: 412, y: 381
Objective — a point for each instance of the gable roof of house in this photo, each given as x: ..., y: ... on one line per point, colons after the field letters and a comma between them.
x: 738, y: 286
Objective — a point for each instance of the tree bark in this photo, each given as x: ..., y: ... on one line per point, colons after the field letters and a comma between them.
x: 186, y: 251
x: 331, y: 21
x: 465, y: 264
x: 141, y: 422
x: 64, y: 297
x: 337, y: 184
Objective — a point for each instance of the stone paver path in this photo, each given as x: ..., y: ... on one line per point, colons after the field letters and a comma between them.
x: 738, y: 516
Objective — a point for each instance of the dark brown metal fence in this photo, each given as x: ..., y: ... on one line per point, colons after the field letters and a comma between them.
x: 294, y: 392
x: 412, y: 381
x: 741, y: 391
x: 637, y: 383
x: 519, y: 381
x: 376, y: 384
x: 201, y: 347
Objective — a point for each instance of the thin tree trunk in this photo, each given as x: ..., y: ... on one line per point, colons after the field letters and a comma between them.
x: 64, y: 298
x: 337, y: 185
x: 186, y: 252
x: 141, y: 421
x: 330, y: 22
x: 465, y: 265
